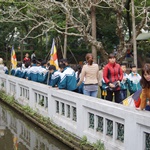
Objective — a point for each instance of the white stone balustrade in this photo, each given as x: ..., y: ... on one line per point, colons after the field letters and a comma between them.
x: 118, y: 126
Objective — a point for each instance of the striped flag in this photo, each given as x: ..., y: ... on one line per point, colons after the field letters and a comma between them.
x: 15, y: 142
x: 129, y: 101
x: 133, y: 100
x: 13, y: 58
x: 53, y: 56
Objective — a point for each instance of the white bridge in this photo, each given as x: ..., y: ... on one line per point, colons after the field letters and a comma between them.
x: 117, y: 126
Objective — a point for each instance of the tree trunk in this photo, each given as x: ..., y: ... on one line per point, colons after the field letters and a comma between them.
x: 93, y: 18
x: 127, y: 6
x: 134, y: 34
x: 65, y: 40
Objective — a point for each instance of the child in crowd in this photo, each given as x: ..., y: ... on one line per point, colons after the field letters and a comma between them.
x: 68, y: 78
x: 18, y: 71
x: 5, y: 69
x: 32, y: 73
x: 25, y: 70
x: 103, y: 89
x: 42, y: 72
x: 101, y: 81
x: 135, y: 78
x: 125, y: 83
x: 12, y: 71
x: 78, y: 75
x: 54, y: 76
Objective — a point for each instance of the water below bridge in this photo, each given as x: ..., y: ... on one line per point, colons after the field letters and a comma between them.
x: 18, y: 133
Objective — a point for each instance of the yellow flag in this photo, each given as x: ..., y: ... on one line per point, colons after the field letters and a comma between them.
x: 13, y: 58
x: 53, y: 56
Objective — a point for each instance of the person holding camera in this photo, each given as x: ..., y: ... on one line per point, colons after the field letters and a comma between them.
x: 112, y: 75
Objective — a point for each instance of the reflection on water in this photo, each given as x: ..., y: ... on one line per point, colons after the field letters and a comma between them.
x: 17, y: 133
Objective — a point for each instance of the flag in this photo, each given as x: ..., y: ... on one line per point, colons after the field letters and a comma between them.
x: 13, y: 58
x: 53, y: 56
x: 15, y: 142
x: 133, y: 100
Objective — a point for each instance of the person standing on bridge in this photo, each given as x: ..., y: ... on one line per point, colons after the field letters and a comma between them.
x: 90, y: 76
x: 145, y: 83
x: 113, y: 75
x: 101, y: 82
x: 33, y: 56
x: 135, y: 78
x: 26, y: 58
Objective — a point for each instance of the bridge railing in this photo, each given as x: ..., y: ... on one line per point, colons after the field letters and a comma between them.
x: 118, y: 126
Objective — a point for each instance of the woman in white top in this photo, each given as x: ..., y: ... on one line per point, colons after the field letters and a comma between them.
x: 90, y: 76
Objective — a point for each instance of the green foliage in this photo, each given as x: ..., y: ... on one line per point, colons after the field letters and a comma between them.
x: 106, y: 28
x: 29, y: 110
x: 99, y: 145
x: 84, y: 140
x: 40, y: 17
x: 2, y: 84
x: 41, y: 102
x: 4, y: 96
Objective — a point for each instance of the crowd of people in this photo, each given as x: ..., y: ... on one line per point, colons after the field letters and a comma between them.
x: 114, y: 82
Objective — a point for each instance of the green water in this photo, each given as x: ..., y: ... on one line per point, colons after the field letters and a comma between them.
x: 18, y: 133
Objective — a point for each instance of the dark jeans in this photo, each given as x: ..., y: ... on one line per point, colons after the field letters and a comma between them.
x: 123, y: 94
x: 109, y: 96
x: 147, y: 108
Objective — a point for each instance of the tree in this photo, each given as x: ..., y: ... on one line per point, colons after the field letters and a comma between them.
x: 50, y: 15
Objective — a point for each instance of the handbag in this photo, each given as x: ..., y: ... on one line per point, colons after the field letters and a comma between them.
x: 116, y: 85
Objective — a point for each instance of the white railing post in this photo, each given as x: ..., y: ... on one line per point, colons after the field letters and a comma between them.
x: 31, y: 98
x: 51, y: 103
x: 17, y: 91
x: 81, y: 117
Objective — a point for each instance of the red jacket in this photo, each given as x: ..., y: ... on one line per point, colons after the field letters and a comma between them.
x: 26, y: 59
x: 112, y: 72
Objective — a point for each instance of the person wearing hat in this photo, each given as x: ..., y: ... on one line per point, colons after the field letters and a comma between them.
x: 112, y: 75
x: 135, y: 78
